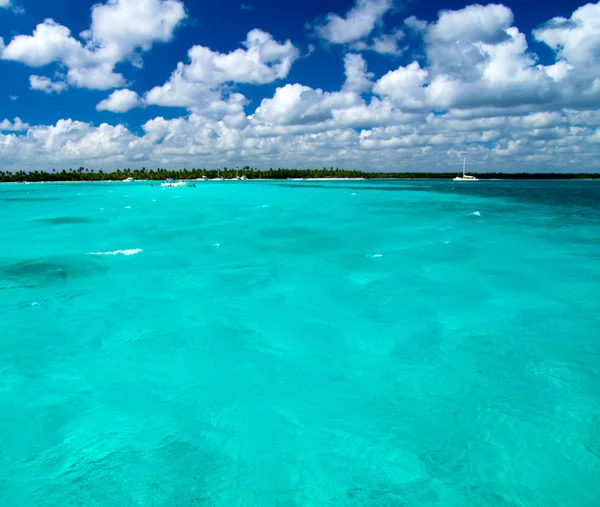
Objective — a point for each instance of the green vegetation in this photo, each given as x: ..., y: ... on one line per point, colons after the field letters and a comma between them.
x: 83, y: 174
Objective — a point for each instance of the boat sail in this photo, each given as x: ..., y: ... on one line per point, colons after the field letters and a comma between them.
x: 465, y: 177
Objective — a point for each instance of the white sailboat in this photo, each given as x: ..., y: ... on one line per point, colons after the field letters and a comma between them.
x: 465, y: 177
x: 219, y: 177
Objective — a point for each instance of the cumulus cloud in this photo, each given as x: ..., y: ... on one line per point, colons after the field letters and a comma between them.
x: 549, y: 141
x: 198, y: 85
x: 50, y: 42
x: 295, y: 104
x: 15, y: 126
x: 386, y: 44
x: 575, y: 40
x: 4, y: 3
x: 46, y: 85
x: 262, y: 61
x: 404, y: 86
x: 120, y: 30
x: 357, y: 24
x: 120, y: 101
x: 476, y: 59
x: 357, y: 78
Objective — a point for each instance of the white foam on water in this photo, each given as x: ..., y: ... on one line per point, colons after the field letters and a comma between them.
x: 353, y: 193
x: 376, y: 256
x: 132, y: 251
x: 217, y: 244
x: 476, y: 213
x: 127, y: 207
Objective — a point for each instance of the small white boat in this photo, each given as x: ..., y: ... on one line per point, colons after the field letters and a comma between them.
x: 219, y: 177
x: 171, y: 183
x: 128, y: 180
x: 465, y: 177
x: 243, y: 178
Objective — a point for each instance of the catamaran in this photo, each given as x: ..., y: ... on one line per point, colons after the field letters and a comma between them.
x: 465, y: 177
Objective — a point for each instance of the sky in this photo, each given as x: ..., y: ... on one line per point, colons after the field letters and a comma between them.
x: 374, y: 85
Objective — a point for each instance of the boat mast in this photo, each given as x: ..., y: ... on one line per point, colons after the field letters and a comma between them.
x: 464, y: 165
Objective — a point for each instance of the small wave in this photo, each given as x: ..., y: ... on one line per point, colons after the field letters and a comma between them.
x: 132, y: 251
x: 476, y: 213
x: 376, y: 256
x: 127, y: 207
x: 217, y: 244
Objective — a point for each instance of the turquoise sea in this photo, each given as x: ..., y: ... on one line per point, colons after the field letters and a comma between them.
x: 364, y: 343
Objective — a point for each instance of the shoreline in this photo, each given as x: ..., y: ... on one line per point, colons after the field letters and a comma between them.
x: 534, y: 177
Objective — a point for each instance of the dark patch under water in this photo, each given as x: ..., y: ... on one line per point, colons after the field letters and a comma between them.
x: 36, y: 273
x: 70, y: 220
x: 30, y: 199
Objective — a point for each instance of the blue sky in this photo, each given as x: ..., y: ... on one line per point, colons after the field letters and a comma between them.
x: 364, y: 84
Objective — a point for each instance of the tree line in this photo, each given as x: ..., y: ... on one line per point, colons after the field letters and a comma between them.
x: 84, y: 174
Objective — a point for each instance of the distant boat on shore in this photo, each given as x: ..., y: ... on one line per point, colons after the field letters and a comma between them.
x: 465, y: 177
x: 219, y: 177
x: 171, y: 183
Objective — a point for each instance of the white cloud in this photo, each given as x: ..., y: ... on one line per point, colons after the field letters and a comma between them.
x: 14, y: 97
x: 119, y: 31
x: 415, y: 25
x: 474, y: 23
x: 547, y: 141
x: 263, y: 61
x: 120, y: 101
x: 358, y: 23
x: 122, y: 26
x: 46, y: 85
x: 575, y: 40
x: 50, y: 42
x: 477, y: 60
x: 295, y: 104
x: 199, y: 84
x: 386, y: 44
x: 404, y: 86
x: 4, y: 3
x: 15, y: 126
x: 357, y: 78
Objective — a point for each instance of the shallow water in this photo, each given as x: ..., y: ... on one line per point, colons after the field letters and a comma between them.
x: 300, y: 344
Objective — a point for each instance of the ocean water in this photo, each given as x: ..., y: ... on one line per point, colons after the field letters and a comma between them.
x: 380, y: 343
